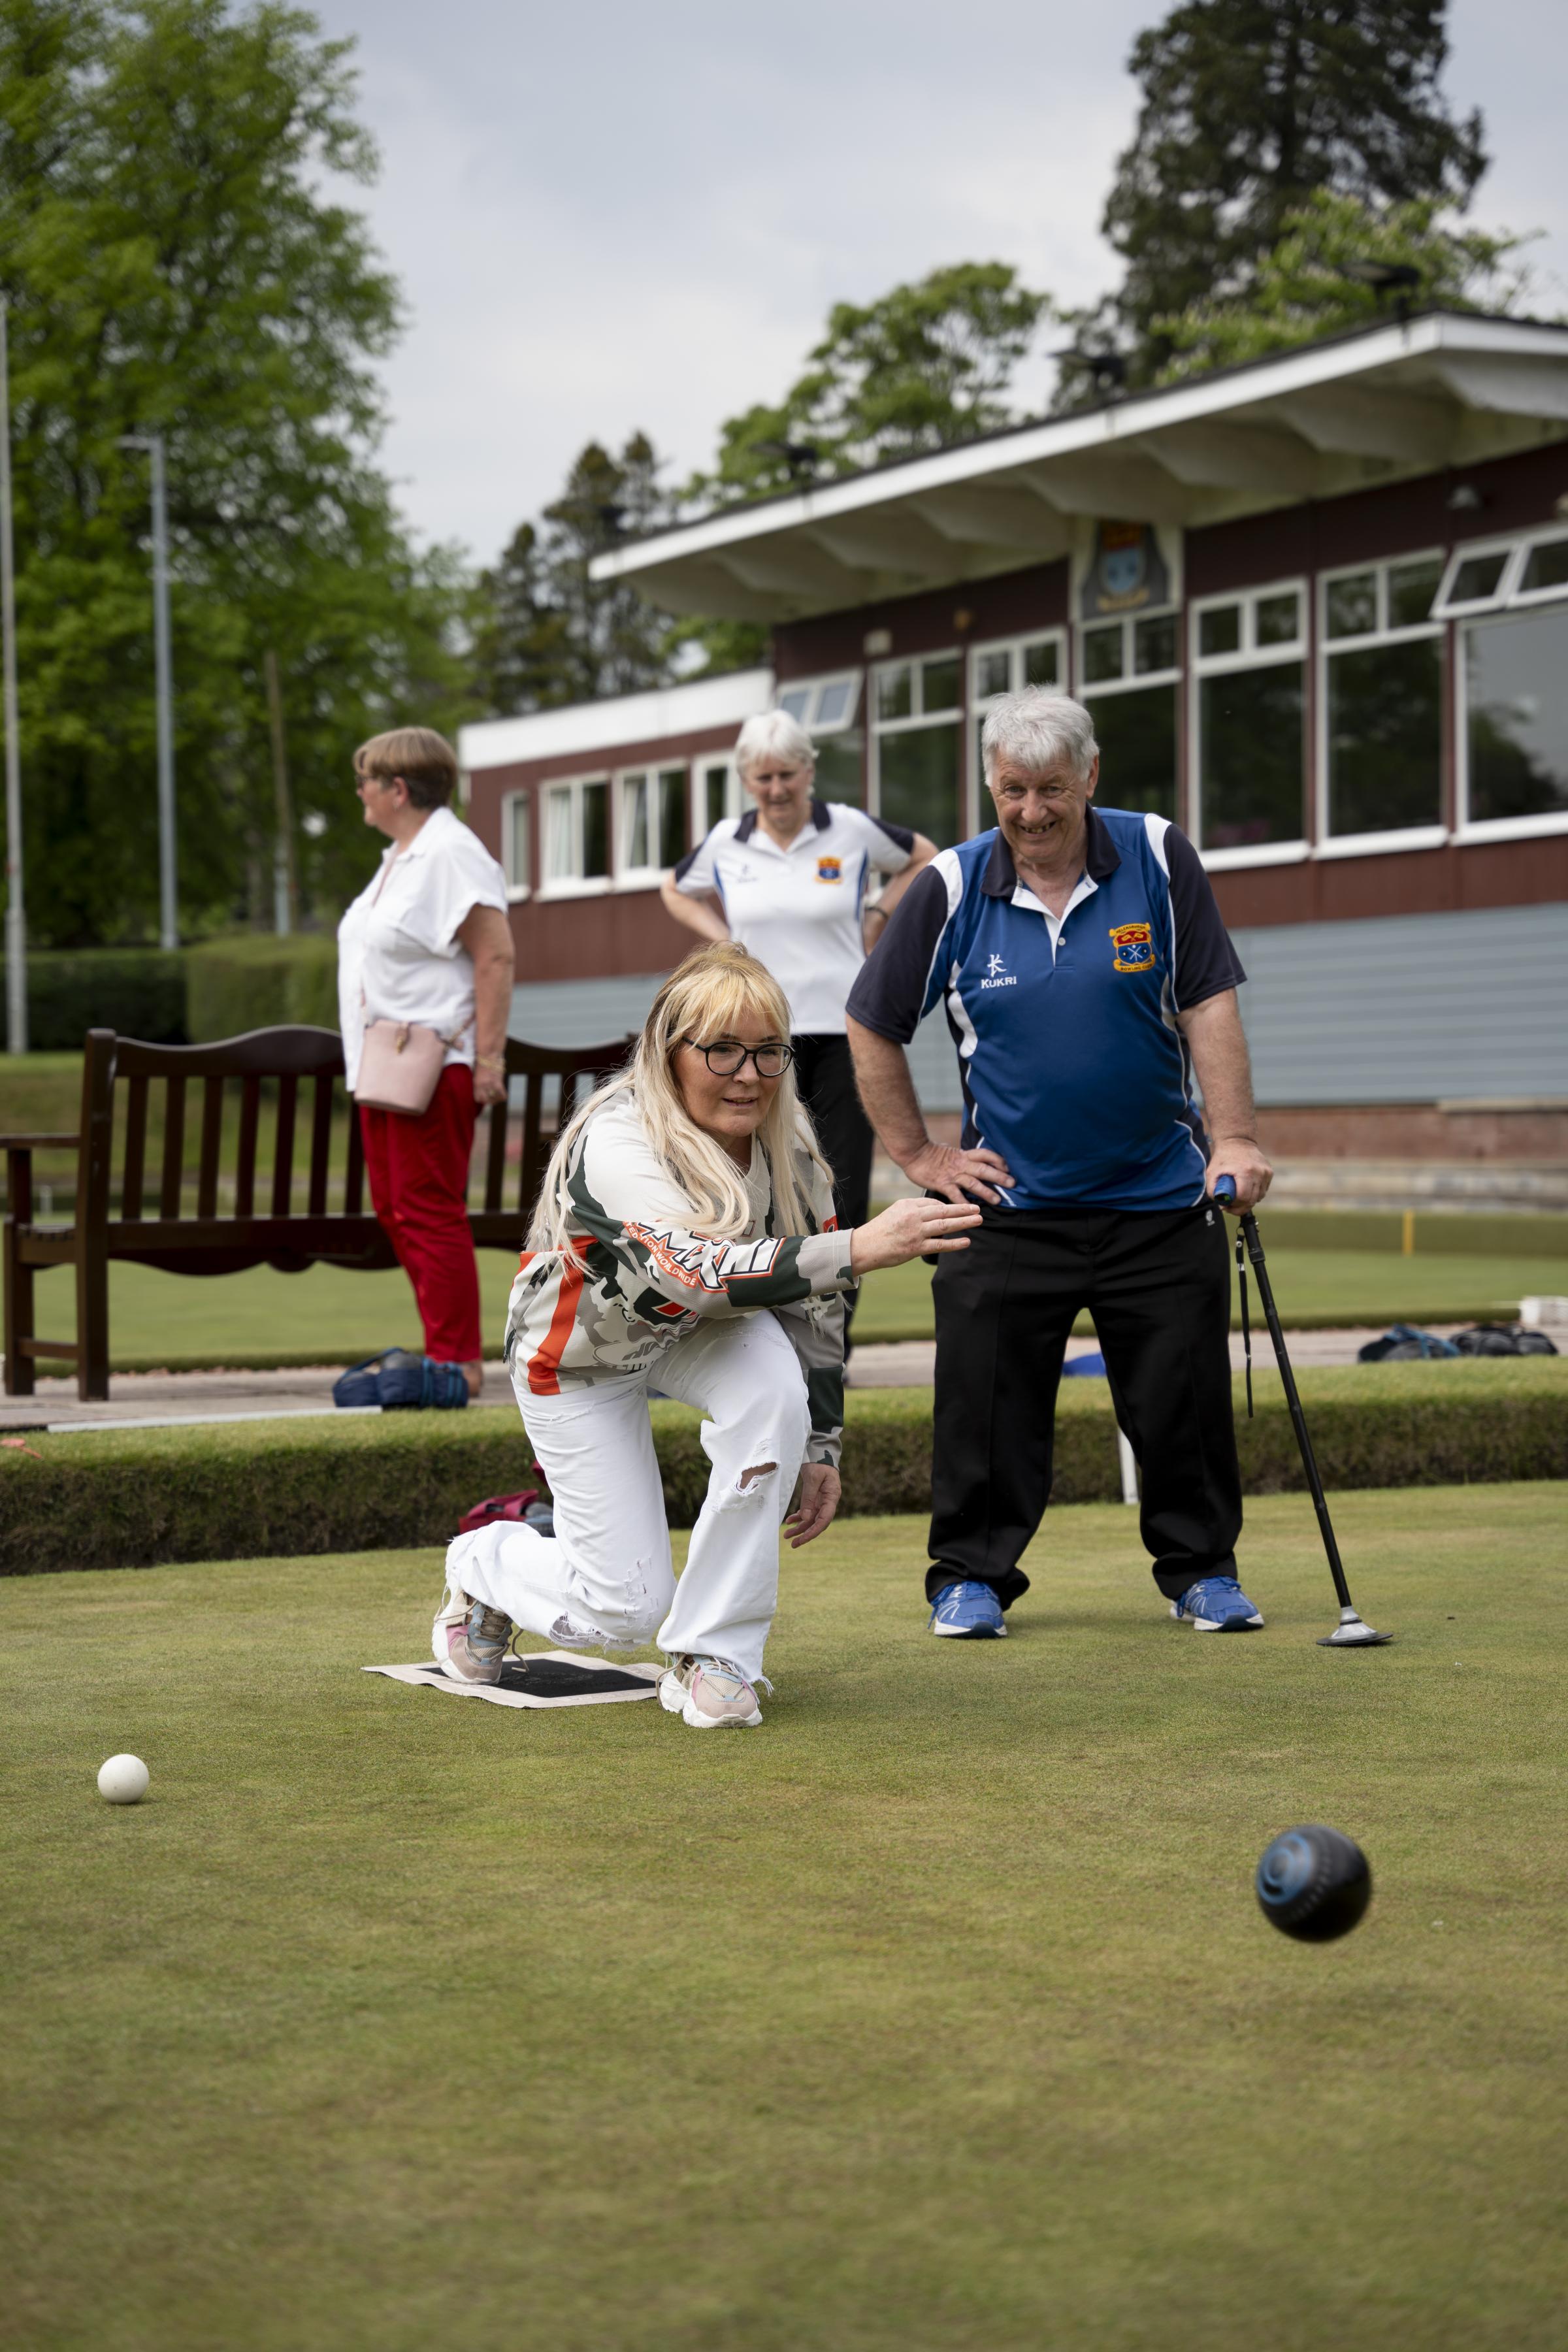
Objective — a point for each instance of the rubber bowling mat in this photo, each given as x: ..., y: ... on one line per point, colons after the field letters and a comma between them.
x: 539, y: 1678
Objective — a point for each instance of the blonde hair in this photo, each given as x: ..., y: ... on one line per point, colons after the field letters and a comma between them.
x: 704, y: 997
x: 425, y: 762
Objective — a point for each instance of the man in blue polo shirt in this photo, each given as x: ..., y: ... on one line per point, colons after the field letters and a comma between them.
x: 1086, y: 979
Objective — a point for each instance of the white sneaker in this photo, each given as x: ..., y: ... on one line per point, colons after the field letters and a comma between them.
x: 708, y: 1695
x: 468, y: 1639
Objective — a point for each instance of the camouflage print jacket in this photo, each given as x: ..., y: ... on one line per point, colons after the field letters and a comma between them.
x: 638, y: 1276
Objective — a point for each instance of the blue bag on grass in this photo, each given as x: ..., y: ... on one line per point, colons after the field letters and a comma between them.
x: 401, y: 1381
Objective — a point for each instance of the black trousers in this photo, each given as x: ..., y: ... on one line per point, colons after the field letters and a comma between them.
x: 824, y: 1072
x: 1158, y: 1286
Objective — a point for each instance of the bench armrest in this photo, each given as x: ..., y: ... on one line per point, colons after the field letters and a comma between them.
x: 40, y: 1142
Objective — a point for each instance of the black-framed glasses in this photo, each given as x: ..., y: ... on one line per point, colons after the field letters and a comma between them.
x: 727, y: 1058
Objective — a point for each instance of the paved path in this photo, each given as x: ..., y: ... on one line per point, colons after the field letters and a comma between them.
x: 137, y: 1397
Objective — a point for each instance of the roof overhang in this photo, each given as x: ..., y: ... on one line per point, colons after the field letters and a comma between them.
x: 1383, y: 403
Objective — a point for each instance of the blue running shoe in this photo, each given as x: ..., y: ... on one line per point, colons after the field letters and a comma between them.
x: 1217, y: 1604
x: 968, y: 1611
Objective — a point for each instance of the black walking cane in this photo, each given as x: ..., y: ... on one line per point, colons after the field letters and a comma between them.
x: 1351, y: 1633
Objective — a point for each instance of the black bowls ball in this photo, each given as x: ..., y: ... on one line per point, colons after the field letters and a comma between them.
x: 1314, y: 1883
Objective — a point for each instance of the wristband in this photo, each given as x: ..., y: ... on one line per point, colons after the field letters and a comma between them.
x: 489, y: 1060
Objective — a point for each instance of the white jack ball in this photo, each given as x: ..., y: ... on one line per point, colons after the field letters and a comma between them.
x: 123, y: 1779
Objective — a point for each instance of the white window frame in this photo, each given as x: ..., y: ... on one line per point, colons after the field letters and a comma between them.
x: 955, y: 715
x: 1516, y: 549
x: 1508, y: 597
x: 1127, y: 683
x: 811, y: 693
x: 1250, y: 655
x: 1412, y: 836
x: 734, y: 794
x: 978, y: 705
x: 626, y: 876
x: 517, y: 885
x: 578, y: 885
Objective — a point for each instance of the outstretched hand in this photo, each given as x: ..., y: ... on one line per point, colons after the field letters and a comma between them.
x: 911, y: 1229
x: 815, y: 1505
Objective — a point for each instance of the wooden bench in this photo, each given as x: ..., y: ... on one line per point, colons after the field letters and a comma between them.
x: 265, y: 1223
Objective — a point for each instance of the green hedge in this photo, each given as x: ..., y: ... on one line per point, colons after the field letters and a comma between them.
x: 128, y: 1498
x: 257, y: 982
x: 140, y: 991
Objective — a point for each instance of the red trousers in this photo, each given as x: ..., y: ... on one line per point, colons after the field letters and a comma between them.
x: 418, y: 1170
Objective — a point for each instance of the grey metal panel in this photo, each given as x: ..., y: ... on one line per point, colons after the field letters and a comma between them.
x: 1404, y: 1008
x: 1409, y: 1008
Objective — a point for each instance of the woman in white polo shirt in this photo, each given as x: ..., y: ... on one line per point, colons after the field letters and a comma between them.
x: 428, y: 942
x: 789, y: 880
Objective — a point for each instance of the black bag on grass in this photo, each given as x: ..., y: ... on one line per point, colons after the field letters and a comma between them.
x: 1502, y: 1340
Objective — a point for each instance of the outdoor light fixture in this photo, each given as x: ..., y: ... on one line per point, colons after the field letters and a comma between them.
x: 802, y: 458
x: 1107, y: 370
x: 1400, y: 279
x: 1463, y: 499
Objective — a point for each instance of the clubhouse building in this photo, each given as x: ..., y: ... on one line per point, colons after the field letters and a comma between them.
x: 1318, y: 606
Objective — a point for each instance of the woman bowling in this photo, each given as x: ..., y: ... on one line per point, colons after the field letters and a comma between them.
x: 684, y: 1246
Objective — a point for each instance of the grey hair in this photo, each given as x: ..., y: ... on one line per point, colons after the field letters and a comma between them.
x: 773, y: 735
x: 1036, y: 729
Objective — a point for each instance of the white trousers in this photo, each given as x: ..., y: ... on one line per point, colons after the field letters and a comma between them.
x: 606, y: 1577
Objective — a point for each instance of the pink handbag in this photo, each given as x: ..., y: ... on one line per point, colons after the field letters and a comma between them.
x: 400, y: 1067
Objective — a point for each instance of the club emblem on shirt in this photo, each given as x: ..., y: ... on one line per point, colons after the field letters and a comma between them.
x: 1133, y: 946
x: 829, y: 870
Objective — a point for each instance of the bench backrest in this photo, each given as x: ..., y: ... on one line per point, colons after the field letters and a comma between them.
x: 303, y: 1068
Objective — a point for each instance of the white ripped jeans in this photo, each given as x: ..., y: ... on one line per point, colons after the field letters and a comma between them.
x: 606, y: 1577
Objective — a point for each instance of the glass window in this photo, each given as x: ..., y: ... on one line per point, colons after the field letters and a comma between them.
x: 1385, y: 736
x: 1477, y: 577
x: 514, y: 840
x: 1349, y: 605
x: 595, y: 830
x: 1516, y: 716
x: 634, y: 804
x: 1383, y: 699
x: 718, y: 794
x: 895, y: 690
x: 1251, y: 732
x: 834, y: 702
x: 1154, y: 644
x: 1043, y: 661
x: 1219, y: 629
x: 918, y: 780
x: 940, y: 683
x: 840, y: 766
x: 1102, y: 654
x: 1137, y: 737
x: 1545, y: 567
x: 671, y: 815
x: 1411, y: 588
x: 992, y: 673
x: 560, y: 834
x: 1251, y: 738
x: 1279, y: 619
x: 796, y: 701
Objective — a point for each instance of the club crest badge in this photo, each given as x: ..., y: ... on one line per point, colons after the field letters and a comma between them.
x: 829, y: 870
x: 1132, y: 945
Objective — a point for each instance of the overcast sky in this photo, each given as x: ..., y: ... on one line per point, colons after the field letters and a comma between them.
x: 621, y: 215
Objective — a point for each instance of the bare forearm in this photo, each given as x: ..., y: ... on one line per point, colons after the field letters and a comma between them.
x: 888, y: 1092
x: 493, y: 1004
x: 699, y: 915
x: 1218, y: 1047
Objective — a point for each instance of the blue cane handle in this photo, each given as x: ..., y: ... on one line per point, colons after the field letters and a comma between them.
x: 1224, y: 1189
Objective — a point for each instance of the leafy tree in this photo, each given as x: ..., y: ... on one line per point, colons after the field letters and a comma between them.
x: 546, y: 634
x: 1249, y: 107
x: 925, y: 365
x: 1300, y: 291
x: 172, y: 266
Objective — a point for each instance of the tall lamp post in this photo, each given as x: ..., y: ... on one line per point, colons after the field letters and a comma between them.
x: 168, y: 912
x: 15, y: 912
